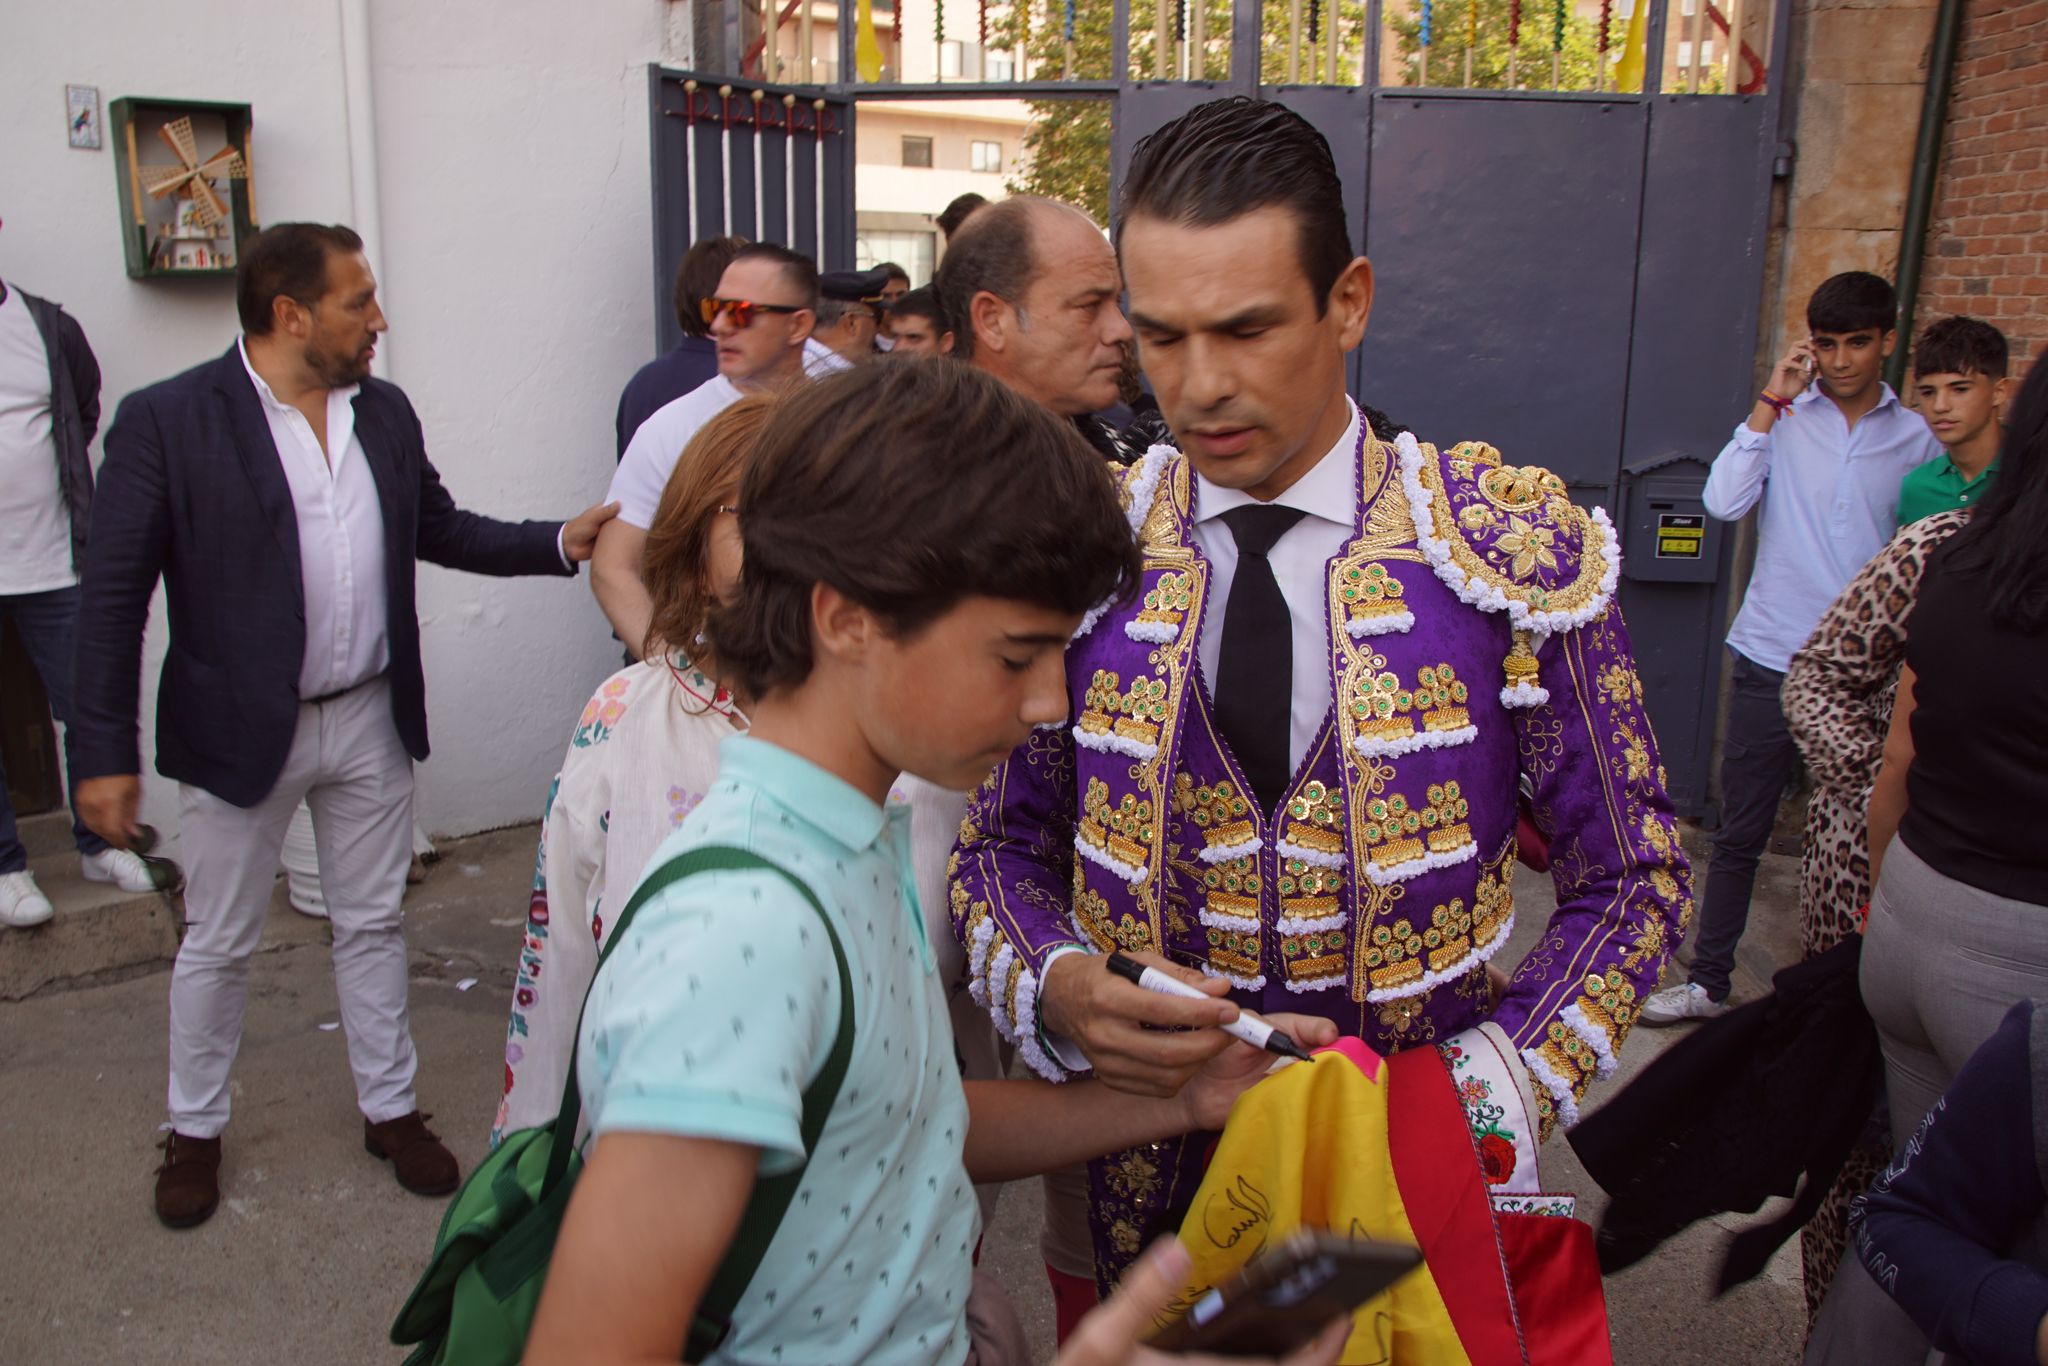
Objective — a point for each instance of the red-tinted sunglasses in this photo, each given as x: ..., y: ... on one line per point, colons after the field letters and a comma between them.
x: 742, y: 310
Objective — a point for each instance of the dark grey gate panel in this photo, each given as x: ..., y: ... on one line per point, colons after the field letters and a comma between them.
x: 704, y: 146
x: 1495, y: 227
x: 1144, y: 109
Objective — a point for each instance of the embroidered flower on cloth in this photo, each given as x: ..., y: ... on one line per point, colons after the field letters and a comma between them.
x: 601, y: 715
x: 1531, y: 545
x: 681, y: 802
x: 1496, y: 1159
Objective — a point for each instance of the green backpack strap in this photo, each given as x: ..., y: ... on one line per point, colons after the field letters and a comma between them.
x: 771, y: 1196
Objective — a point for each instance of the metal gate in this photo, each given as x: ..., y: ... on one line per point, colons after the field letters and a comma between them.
x: 1573, y: 274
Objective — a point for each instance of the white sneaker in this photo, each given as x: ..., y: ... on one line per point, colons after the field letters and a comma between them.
x: 22, y: 903
x: 118, y: 866
x: 1687, y: 1002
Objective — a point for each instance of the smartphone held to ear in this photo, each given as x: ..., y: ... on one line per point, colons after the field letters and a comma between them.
x: 1288, y: 1294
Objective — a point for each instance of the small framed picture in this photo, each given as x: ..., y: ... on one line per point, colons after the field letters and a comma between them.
x: 82, y: 108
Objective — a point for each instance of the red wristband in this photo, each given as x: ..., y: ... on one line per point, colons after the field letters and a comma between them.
x: 1781, y: 406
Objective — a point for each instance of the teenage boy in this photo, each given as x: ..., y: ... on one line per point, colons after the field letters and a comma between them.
x: 919, y: 325
x: 1296, y: 754
x: 1959, y: 378
x: 1823, y: 460
x: 760, y: 321
x: 898, y: 611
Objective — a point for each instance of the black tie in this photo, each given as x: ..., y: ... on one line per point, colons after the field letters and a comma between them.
x: 1255, y: 667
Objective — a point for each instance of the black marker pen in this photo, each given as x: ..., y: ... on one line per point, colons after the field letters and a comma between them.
x: 1246, y: 1026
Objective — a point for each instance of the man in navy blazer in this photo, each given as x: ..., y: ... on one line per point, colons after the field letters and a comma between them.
x: 283, y: 496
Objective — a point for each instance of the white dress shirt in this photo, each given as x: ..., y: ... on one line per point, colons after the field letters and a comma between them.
x: 1328, y: 494
x: 1830, y: 495
x: 657, y: 445
x: 341, y: 540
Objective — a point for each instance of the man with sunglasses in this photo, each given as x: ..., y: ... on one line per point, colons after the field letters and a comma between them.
x: 850, y: 312
x: 760, y: 320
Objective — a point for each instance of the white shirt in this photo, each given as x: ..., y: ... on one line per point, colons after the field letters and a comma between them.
x: 341, y: 540
x: 35, y: 526
x: 1328, y: 493
x: 821, y: 360
x: 658, y: 443
x: 1830, y: 495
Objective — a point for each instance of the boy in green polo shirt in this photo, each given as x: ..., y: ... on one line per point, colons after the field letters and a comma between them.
x: 1959, y: 380
x: 919, y: 545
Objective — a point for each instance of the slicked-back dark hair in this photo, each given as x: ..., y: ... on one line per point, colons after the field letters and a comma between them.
x: 894, y: 272
x: 959, y: 211
x: 1962, y: 346
x: 801, y: 270
x: 288, y: 259
x: 994, y: 252
x: 922, y: 302
x: 1853, y: 301
x: 1230, y: 157
x: 859, y: 482
x: 2003, y: 542
x: 697, y: 278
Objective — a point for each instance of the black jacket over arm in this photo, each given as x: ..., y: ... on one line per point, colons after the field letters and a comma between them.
x: 192, y: 490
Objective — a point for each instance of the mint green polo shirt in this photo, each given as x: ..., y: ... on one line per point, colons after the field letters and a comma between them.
x: 1938, y: 486
x: 719, y: 1007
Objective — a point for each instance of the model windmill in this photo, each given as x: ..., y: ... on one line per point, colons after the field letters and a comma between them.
x: 192, y: 178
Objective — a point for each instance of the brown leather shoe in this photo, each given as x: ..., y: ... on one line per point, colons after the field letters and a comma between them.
x: 188, y: 1182
x: 422, y: 1165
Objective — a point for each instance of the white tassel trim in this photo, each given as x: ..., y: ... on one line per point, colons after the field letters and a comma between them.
x: 1486, y: 597
x: 1109, y: 742
x: 1386, y: 624
x: 1143, y: 487
x: 1310, y: 924
x: 1594, y: 1039
x: 1416, y: 867
x: 1241, y: 983
x: 1101, y: 858
x: 1560, y: 1090
x: 1524, y: 694
x: 1314, y: 858
x: 1224, y: 920
x: 1224, y: 853
x: 1429, y: 981
x: 1154, y: 632
x: 1316, y: 983
x: 1371, y: 746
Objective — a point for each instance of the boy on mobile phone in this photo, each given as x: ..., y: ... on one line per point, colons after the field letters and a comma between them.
x: 899, y: 610
x: 1821, y: 456
x: 1959, y: 384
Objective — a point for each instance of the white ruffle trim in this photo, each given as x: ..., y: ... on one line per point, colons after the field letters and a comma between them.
x: 1314, y: 858
x: 1372, y: 747
x: 1241, y: 983
x: 1486, y: 597
x: 1429, y: 981
x: 1594, y: 1038
x: 1524, y: 694
x: 1335, y: 979
x: 1155, y: 632
x: 1101, y: 858
x: 1109, y: 742
x: 977, y: 962
x: 1560, y: 1090
x: 1391, y: 623
x: 1143, y: 487
x: 998, y: 972
x: 1224, y: 853
x: 1224, y: 920
x: 1310, y: 924
x: 1416, y: 867
x: 1028, y: 1046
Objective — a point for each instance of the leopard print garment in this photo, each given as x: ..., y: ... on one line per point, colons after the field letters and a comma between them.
x: 1838, y: 704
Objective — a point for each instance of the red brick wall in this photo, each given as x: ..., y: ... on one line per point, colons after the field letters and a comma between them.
x: 1987, y: 251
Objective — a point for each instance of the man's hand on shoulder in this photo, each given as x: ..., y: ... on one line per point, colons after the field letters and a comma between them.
x: 579, y: 533
x: 1123, y: 1029
x: 109, y: 807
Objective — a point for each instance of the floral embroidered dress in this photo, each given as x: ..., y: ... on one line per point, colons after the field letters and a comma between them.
x: 642, y: 755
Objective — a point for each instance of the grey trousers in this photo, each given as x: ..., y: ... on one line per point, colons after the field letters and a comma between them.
x: 1942, y: 963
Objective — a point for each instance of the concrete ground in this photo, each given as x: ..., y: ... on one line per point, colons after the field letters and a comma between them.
x: 315, y: 1245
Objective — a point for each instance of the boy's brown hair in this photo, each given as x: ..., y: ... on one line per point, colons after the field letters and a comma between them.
x: 706, y: 478
x: 909, y: 486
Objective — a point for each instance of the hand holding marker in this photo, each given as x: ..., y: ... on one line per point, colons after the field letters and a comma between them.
x: 1246, y: 1026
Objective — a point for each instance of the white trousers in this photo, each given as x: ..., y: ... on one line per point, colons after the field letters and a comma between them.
x: 348, y: 766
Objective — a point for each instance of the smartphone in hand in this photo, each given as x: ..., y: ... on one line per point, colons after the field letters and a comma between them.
x: 1288, y: 1294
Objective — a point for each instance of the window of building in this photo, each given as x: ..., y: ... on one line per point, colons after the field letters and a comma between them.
x: 1001, y: 64
x: 917, y: 151
x: 916, y: 252
x: 985, y: 156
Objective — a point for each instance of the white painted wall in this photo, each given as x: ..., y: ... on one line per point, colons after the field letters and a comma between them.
x: 516, y: 228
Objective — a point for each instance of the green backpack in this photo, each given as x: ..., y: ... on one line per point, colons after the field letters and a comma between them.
x: 476, y: 1300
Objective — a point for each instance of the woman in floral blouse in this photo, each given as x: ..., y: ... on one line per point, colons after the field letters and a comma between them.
x: 641, y: 756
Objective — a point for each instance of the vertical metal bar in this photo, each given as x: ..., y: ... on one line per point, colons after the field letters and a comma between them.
x: 809, y: 72
x: 1734, y: 80
x: 1699, y: 32
x: 1198, y: 40
x: 818, y: 178
x: 1653, y: 47
x: 1332, y: 33
x: 789, y: 168
x: 1294, y: 42
x: 849, y: 60
x: 1119, y: 43
x: 769, y: 34
x: 1247, y: 18
x: 1369, y: 49
x: 760, y: 190
x: 1161, y: 48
